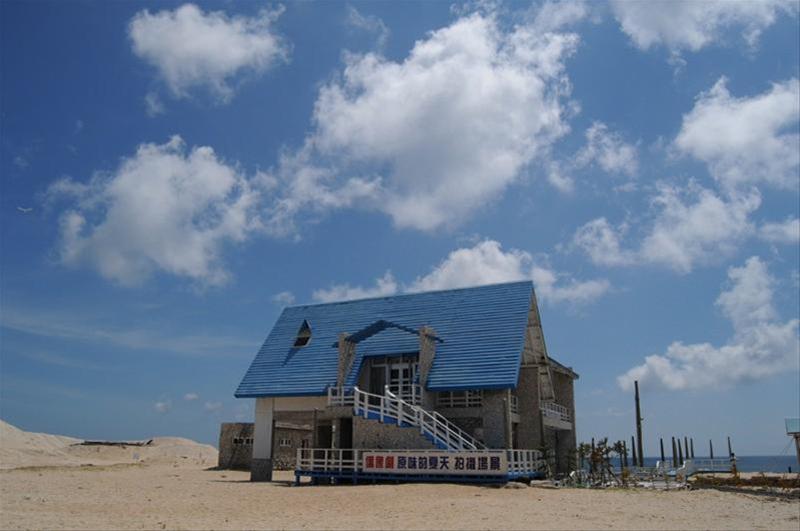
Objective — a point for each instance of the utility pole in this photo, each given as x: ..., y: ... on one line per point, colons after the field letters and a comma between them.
x: 638, y: 425
x: 710, y: 449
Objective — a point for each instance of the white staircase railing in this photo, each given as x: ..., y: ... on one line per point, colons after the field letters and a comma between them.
x: 391, y: 407
x: 555, y: 411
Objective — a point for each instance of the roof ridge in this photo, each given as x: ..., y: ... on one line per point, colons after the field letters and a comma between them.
x: 399, y: 295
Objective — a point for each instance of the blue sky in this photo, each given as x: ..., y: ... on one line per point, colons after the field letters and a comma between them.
x: 173, y: 174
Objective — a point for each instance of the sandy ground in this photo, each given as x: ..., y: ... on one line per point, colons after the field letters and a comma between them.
x: 49, y: 482
x: 188, y: 497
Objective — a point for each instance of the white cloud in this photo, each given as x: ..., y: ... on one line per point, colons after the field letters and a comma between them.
x: 692, y: 25
x: 486, y: 104
x: 487, y: 263
x: 284, y: 298
x: 697, y: 226
x: 190, y: 397
x: 163, y: 209
x: 384, y: 286
x: 153, y: 105
x: 787, y: 231
x: 190, y: 48
x: 745, y: 140
x: 484, y: 263
x: 162, y: 406
x: 601, y: 242
x: 608, y: 150
x: 368, y: 23
x: 690, y: 226
x: 212, y: 407
x: 760, y: 347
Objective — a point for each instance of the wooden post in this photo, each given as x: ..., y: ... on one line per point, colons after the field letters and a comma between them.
x: 661, y: 443
x: 710, y: 449
x: 686, y: 446
x: 621, y: 461
x: 638, y: 425
x: 680, y: 452
x: 633, y: 453
x: 691, y: 446
x: 625, y: 452
x: 730, y: 451
x: 674, y: 454
x: 591, y: 458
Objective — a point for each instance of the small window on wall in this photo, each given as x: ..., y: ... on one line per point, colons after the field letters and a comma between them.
x: 303, y: 335
x: 285, y: 443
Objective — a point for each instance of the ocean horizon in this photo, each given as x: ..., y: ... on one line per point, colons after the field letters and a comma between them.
x: 746, y: 463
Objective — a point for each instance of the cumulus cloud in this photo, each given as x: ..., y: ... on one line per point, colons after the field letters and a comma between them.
x: 609, y: 151
x: 487, y: 263
x: 163, y: 209
x: 745, y: 141
x: 691, y: 226
x: 690, y: 25
x: 368, y: 23
x: 696, y: 226
x: 384, y: 286
x: 602, y: 243
x: 435, y: 136
x: 761, y: 345
x: 189, y: 397
x: 162, y: 406
x: 787, y: 231
x: 190, y: 48
x: 484, y: 263
x: 284, y: 298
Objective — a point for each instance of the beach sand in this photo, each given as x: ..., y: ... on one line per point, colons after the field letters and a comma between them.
x: 177, y: 491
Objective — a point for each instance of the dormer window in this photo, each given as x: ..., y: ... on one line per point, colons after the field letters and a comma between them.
x: 303, y: 335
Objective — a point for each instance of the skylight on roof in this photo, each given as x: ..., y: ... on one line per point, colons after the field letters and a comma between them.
x: 303, y: 335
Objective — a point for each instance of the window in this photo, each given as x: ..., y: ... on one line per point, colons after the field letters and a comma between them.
x: 285, y: 443
x: 303, y: 335
x: 471, y: 398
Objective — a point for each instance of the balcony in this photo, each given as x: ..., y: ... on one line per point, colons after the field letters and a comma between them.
x: 555, y: 416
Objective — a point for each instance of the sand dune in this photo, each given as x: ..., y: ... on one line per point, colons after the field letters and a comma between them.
x: 20, y: 448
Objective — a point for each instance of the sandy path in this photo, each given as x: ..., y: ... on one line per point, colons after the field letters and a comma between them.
x: 188, y: 497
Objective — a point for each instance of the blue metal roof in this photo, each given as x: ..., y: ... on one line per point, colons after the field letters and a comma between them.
x: 480, y: 335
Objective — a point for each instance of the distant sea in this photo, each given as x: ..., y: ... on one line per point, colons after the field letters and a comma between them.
x: 749, y: 463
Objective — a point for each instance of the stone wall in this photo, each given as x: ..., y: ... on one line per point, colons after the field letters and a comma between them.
x: 529, y: 431
x: 374, y: 434
x: 235, y: 445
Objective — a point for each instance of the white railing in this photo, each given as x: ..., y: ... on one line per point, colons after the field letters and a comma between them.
x: 327, y: 460
x: 555, y: 411
x: 411, y: 393
x: 392, y: 408
x: 340, y: 396
x: 514, y: 404
x: 525, y: 461
x: 436, y: 426
x: 345, y: 461
x: 694, y: 466
x: 460, y: 398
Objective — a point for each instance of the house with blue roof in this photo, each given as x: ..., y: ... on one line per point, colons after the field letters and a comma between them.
x: 462, y: 370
